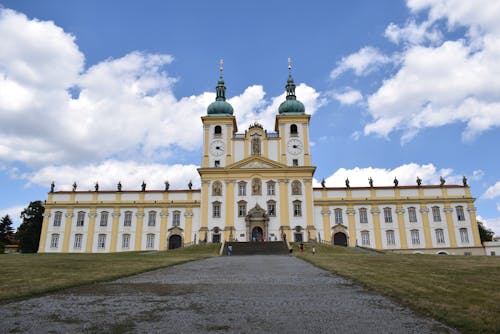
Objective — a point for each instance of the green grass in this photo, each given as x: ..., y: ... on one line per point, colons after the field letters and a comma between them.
x: 26, y: 275
x: 461, y: 291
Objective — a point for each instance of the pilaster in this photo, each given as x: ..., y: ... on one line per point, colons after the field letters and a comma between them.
x: 114, y: 229
x: 67, y: 230
x: 138, y: 229
x: 401, y: 225
x: 351, y: 225
x: 45, y: 228
x: 424, y: 214
x: 90, y: 233
x: 375, y: 211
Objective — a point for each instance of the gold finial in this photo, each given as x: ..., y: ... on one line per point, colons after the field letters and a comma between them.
x: 221, y: 68
x: 289, y: 63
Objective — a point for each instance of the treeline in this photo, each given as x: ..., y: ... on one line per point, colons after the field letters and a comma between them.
x: 27, y: 236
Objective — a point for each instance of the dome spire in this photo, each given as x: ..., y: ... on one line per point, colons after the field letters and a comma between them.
x: 221, y: 88
x: 291, y: 105
x: 290, y: 84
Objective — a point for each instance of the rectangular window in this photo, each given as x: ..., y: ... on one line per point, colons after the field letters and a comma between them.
x: 464, y: 236
x: 104, y: 219
x: 436, y: 214
x: 391, y: 241
x: 80, y: 218
x: 270, y: 189
x: 460, y: 213
x: 271, y: 209
x: 439, y: 236
x: 126, y: 241
x: 415, y: 237
x: 128, y: 219
x: 216, y: 210
x: 365, y: 238
x: 78, y: 241
x: 242, y: 189
x: 150, y: 241
x: 338, y: 216
x: 388, y: 215
x: 54, y: 241
x: 101, y: 241
x: 363, y: 216
x: 297, y: 209
x: 57, y: 218
x: 176, y: 220
x: 242, y: 210
x: 152, y: 218
x: 412, y: 215
x: 295, y: 162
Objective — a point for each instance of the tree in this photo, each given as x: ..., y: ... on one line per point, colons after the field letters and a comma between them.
x: 6, y: 230
x: 484, y: 233
x: 28, y: 234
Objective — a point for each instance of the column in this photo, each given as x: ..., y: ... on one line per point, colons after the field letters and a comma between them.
x: 307, y: 156
x: 311, y: 230
x: 351, y: 222
x: 43, y: 234
x: 90, y: 233
x: 401, y: 226
x: 449, y: 223
x: 284, y: 208
x: 67, y: 230
x: 206, y: 129
x: 205, y: 206
x: 163, y: 228
x: 424, y: 214
x: 229, y: 204
x: 138, y: 228
x: 114, y: 229
x: 473, y: 224
x: 376, y: 226
x: 189, y: 226
x: 325, y: 215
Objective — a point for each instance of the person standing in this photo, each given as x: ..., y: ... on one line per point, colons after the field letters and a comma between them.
x: 229, y: 250
x: 314, y: 249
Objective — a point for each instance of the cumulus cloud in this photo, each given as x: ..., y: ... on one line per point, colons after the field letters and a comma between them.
x: 348, y: 97
x: 14, y: 213
x: 53, y: 112
x: 491, y: 223
x: 406, y: 175
x: 107, y: 173
x: 362, y: 62
x: 438, y: 80
x: 493, y: 191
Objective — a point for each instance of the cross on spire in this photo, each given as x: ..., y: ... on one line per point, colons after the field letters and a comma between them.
x: 289, y: 63
x: 221, y: 67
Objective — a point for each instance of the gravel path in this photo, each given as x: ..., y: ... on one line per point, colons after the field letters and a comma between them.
x: 241, y: 294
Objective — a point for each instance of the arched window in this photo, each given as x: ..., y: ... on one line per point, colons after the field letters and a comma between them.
x: 176, y: 218
x: 296, y: 188
x: 388, y: 215
x: 101, y: 241
x: 439, y: 236
x: 415, y: 237
x: 271, y: 208
x: 217, y: 188
x: 460, y: 213
x: 217, y: 131
x: 255, y: 145
x: 57, y: 218
x: 242, y: 188
x: 412, y: 215
x: 216, y: 209
x: 104, y: 218
x: 242, y: 208
x: 271, y: 186
x: 365, y: 238
x: 464, y: 236
x: 80, y: 218
x: 363, y: 216
x: 436, y: 214
x: 150, y: 240
x: 152, y: 218
x: 54, y: 241
x: 78, y: 241
x: 128, y: 218
x: 297, y: 208
x: 125, y: 240
x: 338, y: 216
x: 293, y: 130
x: 389, y: 235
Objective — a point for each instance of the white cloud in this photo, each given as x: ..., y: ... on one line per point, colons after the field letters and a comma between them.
x: 493, y: 191
x: 362, y: 62
x: 121, y: 108
x: 413, y: 33
x: 406, y: 175
x: 349, y: 96
x: 477, y: 175
x: 491, y: 223
x: 14, y: 213
x: 109, y: 172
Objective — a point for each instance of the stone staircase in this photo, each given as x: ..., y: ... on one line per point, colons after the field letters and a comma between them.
x: 257, y: 248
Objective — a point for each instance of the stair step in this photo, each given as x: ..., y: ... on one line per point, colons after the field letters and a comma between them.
x: 260, y: 248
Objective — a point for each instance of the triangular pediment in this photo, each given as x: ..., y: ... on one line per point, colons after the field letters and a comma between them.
x: 256, y: 162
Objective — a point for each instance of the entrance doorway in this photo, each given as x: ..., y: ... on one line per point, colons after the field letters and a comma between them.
x: 257, y: 233
x: 298, y: 237
x: 340, y: 239
x: 175, y: 241
x: 215, y: 238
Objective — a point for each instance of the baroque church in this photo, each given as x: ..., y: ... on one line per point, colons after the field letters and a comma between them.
x: 256, y: 185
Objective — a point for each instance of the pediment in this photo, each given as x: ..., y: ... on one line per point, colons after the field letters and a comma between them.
x: 256, y: 163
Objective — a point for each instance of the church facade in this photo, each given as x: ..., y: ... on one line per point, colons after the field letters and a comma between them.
x: 256, y: 185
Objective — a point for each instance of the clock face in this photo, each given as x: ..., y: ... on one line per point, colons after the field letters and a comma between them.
x: 295, y: 146
x: 217, y: 147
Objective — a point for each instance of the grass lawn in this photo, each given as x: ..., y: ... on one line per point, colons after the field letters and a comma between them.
x: 25, y: 275
x: 461, y: 291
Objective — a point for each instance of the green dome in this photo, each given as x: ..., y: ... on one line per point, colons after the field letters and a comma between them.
x: 220, y: 108
x: 292, y: 107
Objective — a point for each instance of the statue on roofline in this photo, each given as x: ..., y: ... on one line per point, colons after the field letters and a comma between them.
x: 464, y: 181
x: 52, y: 186
x: 74, y: 186
x: 419, y: 181
x: 396, y: 182
x: 370, y: 182
x: 442, y: 181
x: 347, y: 184
x: 167, y: 185
x: 323, y: 184
x: 119, y: 186
x: 143, y: 186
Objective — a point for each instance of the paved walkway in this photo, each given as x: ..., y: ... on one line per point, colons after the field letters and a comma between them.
x: 241, y: 294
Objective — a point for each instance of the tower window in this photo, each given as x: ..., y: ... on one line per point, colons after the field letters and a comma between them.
x: 217, y: 163
x: 295, y: 162
x: 293, y: 130
x: 218, y: 131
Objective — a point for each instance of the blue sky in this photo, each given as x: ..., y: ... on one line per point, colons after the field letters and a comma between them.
x: 113, y: 90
